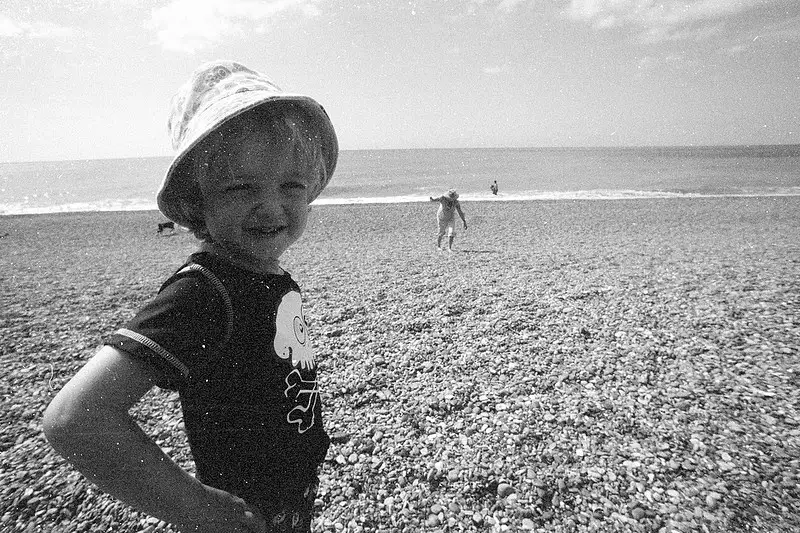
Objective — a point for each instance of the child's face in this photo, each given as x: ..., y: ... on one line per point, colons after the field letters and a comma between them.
x: 258, y: 208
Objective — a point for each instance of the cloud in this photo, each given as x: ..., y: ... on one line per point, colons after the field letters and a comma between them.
x: 661, y: 20
x: 9, y: 28
x: 655, y: 34
x: 48, y: 30
x: 33, y: 30
x: 190, y: 25
x: 673, y: 61
x: 735, y: 50
x: 505, y: 6
x: 647, y: 63
x: 509, y: 5
x: 786, y: 30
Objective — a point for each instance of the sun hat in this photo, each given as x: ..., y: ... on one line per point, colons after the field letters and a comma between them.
x: 452, y: 194
x: 216, y: 92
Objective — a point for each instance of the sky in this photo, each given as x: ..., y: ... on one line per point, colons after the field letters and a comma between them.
x: 85, y: 79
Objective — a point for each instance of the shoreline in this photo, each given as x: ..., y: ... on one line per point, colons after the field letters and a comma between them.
x: 570, y: 196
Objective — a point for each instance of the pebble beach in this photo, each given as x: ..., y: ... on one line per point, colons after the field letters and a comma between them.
x: 573, y: 366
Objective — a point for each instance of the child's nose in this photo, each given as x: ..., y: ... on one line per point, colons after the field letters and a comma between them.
x: 267, y: 202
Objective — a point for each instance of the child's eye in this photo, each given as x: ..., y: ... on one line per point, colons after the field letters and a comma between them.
x: 235, y: 187
x: 295, y: 186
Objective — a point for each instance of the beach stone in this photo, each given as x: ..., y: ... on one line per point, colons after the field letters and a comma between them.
x: 504, y: 490
x: 712, y: 499
x: 339, y: 437
x: 638, y: 513
x: 556, y: 500
x: 432, y: 521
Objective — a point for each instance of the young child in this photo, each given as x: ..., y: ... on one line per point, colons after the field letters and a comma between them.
x: 227, y: 331
x: 448, y: 206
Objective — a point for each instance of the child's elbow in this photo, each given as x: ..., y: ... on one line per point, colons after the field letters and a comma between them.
x: 62, y: 425
x: 54, y: 423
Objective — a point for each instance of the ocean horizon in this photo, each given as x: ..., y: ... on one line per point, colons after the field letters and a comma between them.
x: 413, y: 175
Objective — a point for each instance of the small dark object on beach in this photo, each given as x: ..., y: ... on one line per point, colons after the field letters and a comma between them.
x: 166, y: 225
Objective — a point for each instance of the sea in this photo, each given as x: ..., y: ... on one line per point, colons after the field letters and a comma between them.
x: 413, y: 175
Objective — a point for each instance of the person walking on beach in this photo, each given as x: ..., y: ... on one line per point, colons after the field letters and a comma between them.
x: 493, y: 187
x: 446, y: 217
x: 227, y: 330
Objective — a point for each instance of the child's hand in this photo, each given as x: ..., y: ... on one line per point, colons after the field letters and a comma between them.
x: 465, y: 225
x: 222, y: 512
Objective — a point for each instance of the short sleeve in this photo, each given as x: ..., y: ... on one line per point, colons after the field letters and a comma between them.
x: 177, y: 332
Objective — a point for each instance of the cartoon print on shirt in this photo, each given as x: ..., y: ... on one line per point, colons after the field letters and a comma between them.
x: 292, y: 343
x: 291, y: 339
x: 305, y: 394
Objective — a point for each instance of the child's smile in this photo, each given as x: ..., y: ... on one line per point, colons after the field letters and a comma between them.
x: 265, y: 231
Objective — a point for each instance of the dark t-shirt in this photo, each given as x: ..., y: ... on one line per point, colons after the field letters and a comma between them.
x: 250, y: 403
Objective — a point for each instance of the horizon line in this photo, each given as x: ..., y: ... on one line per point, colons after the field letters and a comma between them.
x: 588, y: 147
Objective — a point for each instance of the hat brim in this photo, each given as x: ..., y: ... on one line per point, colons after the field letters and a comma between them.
x: 179, y: 175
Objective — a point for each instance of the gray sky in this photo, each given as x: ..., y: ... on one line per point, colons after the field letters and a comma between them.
x: 93, y: 78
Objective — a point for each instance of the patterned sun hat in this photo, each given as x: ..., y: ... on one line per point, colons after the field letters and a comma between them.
x: 215, y: 93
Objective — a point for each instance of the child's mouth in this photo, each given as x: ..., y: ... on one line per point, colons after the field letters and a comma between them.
x: 266, y: 231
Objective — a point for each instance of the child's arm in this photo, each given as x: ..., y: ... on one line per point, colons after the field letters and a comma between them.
x: 88, y: 423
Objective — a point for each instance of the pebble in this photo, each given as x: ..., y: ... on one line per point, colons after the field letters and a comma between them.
x: 432, y: 521
x: 504, y: 490
x: 712, y: 499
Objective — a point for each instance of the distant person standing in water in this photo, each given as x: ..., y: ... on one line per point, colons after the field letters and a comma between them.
x: 493, y: 187
x: 448, y: 206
